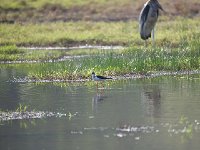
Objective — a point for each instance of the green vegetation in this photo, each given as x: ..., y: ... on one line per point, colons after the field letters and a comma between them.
x: 177, y: 47
x: 113, y: 22
x: 40, y: 3
x: 10, y: 49
x: 176, y: 33
x: 22, y: 108
x: 10, y: 52
x: 132, y: 60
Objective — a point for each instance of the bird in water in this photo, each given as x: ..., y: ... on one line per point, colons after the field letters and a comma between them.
x: 148, y: 18
x: 99, y: 78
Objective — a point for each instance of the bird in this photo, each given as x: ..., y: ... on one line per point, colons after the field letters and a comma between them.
x: 99, y: 78
x: 148, y: 18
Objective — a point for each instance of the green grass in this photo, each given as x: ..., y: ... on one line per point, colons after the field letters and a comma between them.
x: 66, y: 34
x: 133, y: 60
x: 175, y: 33
x: 40, y: 3
x: 10, y: 49
x: 177, y: 47
x: 12, y: 53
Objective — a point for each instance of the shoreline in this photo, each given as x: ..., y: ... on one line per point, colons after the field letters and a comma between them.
x: 114, y: 78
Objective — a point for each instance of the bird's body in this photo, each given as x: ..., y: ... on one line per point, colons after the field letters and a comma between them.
x: 99, y: 78
x: 148, y: 18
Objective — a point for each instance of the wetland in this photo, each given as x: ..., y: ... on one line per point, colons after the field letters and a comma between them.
x: 48, y: 50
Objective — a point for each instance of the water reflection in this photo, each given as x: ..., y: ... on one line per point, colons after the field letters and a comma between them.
x: 98, y: 97
x: 126, y: 102
x: 151, y: 99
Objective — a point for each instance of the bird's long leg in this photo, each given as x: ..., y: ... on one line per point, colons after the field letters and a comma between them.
x: 97, y: 85
x: 145, y: 44
x: 153, y: 38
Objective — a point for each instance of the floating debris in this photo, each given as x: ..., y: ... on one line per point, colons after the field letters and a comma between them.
x: 5, y: 116
x: 91, y: 117
x: 143, y: 129
x: 96, y: 128
x: 70, y: 115
x: 120, y: 135
x: 106, y: 136
x: 137, y: 138
x: 77, y: 132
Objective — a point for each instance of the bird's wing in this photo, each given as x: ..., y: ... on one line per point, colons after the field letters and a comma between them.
x: 102, y: 77
x: 144, y: 14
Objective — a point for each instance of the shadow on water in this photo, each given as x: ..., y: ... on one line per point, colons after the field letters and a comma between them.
x: 149, y: 113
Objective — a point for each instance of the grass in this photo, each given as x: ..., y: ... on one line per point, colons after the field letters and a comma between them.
x: 40, y: 3
x: 169, y: 33
x: 132, y: 60
x: 177, y: 38
x: 65, y: 34
x: 10, y: 49
x: 11, y: 53
x: 177, y: 47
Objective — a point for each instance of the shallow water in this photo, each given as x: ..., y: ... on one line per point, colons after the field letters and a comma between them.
x: 157, y: 113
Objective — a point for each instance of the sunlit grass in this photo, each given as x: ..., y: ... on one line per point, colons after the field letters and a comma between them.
x: 169, y: 33
x: 39, y: 3
x: 177, y: 47
x: 133, y: 60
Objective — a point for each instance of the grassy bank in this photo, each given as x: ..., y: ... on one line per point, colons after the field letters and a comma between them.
x: 177, y: 47
x: 169, y: 33
x: 132, y: 60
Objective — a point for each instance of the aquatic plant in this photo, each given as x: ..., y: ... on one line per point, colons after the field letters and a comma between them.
x: 10, y: 49
x: 22, y: 108
x: 131, y: 60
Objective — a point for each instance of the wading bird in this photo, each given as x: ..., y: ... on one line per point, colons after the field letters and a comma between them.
x: 99, y: 78
x: 148, y: 18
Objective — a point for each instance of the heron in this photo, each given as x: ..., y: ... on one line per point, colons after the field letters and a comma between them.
x: 148, y: 18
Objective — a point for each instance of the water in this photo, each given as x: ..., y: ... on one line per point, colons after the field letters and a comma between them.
x: 158, y: 113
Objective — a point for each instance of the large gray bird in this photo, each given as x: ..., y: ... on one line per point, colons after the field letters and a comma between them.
x: 148, y: 18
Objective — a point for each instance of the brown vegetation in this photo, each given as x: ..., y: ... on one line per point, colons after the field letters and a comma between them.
x: 95, y: 11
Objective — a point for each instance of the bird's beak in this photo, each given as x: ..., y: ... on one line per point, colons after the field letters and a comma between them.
x: 159, y: 6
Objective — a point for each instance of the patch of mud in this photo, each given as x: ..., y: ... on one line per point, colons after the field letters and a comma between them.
x: 5, y: 116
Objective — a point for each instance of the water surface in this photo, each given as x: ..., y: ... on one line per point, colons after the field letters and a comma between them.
x: 158, y: 113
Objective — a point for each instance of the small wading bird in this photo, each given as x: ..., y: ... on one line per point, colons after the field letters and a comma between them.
x: 148, y: 18
x: 99, y: 78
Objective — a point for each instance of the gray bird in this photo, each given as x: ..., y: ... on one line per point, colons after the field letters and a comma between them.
x: 148, y: 18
